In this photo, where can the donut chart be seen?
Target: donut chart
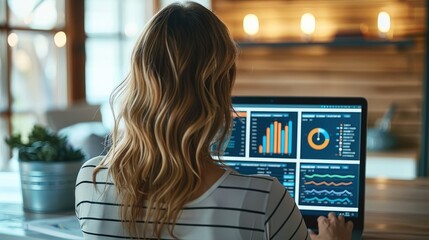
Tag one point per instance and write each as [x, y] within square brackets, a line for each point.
[318, 143]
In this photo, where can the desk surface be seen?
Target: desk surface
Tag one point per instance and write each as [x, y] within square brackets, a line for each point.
[395, 209]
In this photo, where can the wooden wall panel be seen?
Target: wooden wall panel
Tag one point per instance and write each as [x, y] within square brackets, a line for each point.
[384, 75]
[281, 18]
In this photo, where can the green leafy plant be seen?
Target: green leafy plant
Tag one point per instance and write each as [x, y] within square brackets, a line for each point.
[44, 145]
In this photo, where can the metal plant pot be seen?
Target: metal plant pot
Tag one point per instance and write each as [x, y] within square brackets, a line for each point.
[48, 186]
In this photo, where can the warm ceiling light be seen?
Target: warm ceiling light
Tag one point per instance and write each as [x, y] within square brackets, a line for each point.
[308, 23]
[383, 22]
[60, 39]
[12, 39]
[251, 24]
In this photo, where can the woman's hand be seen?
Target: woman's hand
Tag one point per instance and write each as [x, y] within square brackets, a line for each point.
[333, 228]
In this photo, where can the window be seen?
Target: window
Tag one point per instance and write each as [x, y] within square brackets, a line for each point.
[33, 56]
[33, 75]
[111, 29]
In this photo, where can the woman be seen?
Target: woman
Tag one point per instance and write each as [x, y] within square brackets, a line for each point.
[159, 180]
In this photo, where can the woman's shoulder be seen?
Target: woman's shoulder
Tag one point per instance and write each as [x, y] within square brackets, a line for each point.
[245, 183]
[253, 178]
[93, 162]
[87, 169]
[254, 183]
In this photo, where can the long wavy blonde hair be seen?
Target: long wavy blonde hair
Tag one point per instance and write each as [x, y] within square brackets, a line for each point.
[175, 106]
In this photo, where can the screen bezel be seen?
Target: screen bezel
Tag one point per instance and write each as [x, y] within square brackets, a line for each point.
[311, 220]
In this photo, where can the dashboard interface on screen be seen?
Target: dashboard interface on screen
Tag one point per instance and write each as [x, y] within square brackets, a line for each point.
[313, 150]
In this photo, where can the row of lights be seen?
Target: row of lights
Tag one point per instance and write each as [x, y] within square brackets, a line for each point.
[308, 24]
[250, 26]
[60, 39]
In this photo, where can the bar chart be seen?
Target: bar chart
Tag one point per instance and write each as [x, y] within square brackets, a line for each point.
[273, 134]
[276, 139]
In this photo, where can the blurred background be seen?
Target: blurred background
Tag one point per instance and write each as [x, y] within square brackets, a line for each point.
[57, 54]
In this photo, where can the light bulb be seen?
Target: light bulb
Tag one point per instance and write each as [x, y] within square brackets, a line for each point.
[308, 23]
[60, 39]
[251, 24]
[383, 22]
[12, 39]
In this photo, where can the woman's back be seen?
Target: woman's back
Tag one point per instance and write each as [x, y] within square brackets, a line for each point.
[161, 177]
[234, 207]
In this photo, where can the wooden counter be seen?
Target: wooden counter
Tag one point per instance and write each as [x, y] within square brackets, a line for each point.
[397, 209]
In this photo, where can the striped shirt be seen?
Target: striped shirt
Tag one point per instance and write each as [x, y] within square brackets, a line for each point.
[235, 207]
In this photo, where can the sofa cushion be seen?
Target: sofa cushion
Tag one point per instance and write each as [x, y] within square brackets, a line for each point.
[90, 137]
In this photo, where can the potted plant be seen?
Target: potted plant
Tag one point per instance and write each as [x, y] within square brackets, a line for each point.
[48, 168]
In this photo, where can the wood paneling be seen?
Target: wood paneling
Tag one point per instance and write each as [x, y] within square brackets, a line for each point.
[384, 75]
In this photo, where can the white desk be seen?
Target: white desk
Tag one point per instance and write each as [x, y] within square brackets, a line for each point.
[12, 216]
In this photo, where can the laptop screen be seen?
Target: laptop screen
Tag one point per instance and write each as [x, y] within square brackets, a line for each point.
[315, 147]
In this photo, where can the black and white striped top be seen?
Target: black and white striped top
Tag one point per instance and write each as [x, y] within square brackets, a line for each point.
[235, 207]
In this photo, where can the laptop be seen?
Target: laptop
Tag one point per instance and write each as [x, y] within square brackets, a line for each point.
[315, 146]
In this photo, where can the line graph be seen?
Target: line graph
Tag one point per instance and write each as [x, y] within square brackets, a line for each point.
[325, 184]
[330, 192]
[341, 200]
[329, 183]
[329, 176]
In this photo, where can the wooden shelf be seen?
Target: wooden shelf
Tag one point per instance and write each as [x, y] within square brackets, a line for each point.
[346, 42]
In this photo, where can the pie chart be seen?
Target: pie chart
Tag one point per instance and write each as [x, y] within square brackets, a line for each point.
[318, 138]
